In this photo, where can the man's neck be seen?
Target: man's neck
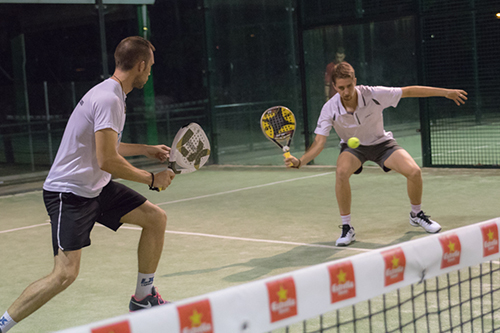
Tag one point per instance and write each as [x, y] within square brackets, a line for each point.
[124, 80]
[350, 106]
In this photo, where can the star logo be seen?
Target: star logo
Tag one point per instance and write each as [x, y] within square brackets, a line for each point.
[195, 318]
[450, 244]
[341, 276]
[395, 263]
[282, 298]
[490, 239]
[282, 294]
[342, 282]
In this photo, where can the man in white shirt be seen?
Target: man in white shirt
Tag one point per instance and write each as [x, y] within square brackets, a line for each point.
[356, 111]
[79, 191]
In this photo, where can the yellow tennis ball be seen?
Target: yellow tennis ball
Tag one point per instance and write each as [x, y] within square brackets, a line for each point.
[353, 142]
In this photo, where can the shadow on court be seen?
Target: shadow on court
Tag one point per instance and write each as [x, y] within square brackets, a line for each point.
[297, 257]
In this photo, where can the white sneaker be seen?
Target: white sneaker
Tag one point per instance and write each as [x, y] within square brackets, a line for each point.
[422, 220]
[347, 235]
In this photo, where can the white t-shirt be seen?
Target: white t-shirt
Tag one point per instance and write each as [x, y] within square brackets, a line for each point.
[366, 122]
[75, 168]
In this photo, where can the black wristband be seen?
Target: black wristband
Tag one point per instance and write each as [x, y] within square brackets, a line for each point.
[151, 187]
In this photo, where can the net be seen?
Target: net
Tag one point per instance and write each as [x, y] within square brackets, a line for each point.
[448, 282]
[466, 300]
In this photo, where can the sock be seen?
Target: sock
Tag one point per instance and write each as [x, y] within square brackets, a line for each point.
[144, 285]
[6, 322]
[346, 219]
[415, 209]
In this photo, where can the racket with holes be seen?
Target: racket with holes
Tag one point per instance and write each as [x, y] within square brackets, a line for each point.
[278, 125]
[190, 150]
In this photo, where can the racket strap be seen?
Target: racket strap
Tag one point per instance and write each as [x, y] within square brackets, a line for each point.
[151, 187]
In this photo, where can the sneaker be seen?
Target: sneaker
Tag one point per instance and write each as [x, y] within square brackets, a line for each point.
[422, 220]
[147, 302]
[347, 236]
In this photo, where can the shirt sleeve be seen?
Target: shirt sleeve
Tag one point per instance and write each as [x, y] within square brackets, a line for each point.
[106, 114]
[387, 96]
[325, 121]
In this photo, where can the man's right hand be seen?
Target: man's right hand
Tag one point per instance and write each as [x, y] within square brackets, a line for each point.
[163, 179]
[292, 162]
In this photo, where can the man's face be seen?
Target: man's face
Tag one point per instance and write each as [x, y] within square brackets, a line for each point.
[345, 87]
[143, 76]
[339, 57]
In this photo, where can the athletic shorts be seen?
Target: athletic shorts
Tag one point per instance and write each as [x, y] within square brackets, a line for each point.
[378, 153]
[72, 217]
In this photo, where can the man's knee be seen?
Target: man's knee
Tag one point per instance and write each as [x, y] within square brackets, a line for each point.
[415, 173]
[157, 217]
[343, 173]
[65, 276]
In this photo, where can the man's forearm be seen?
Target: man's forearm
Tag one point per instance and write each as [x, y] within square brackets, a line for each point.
[423, 91]
[119, 167]
[311, 153]
[131, 149]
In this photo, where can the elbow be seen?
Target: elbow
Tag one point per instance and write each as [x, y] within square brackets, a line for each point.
[104, 164]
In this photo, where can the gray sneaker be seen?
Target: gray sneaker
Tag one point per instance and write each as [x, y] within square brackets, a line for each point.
[422, 220]
[147, 302]
[347, 235]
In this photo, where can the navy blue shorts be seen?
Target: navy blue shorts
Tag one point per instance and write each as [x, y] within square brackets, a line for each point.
[72, 217]
[376, 153]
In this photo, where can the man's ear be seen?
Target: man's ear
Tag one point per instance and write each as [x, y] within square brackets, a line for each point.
[141, 66]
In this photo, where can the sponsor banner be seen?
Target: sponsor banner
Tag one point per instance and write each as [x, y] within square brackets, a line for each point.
[282, 299]
[451, 250]
[120, 327]
[342, 282]
[490, 239]
[196, 317]
[395, 263]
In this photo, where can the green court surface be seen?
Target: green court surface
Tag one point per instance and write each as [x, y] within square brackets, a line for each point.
[228, 226]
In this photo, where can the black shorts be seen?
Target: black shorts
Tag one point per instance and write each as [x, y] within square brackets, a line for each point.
[72, 217]
[378, 153]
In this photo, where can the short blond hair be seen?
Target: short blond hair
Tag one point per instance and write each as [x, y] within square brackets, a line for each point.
[343, 70]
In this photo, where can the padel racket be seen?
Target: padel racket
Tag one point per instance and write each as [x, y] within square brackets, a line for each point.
[278, 125]
[190, 150]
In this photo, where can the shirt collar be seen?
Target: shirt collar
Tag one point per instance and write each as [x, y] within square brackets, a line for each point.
[341, 109]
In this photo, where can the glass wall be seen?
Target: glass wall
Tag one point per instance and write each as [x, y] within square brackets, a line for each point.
[53, 54]
[253, 65]
[382, 53]
[221, 63]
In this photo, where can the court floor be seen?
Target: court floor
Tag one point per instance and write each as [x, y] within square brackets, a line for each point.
[228, 226]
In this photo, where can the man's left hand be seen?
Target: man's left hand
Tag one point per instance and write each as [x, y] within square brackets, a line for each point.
[159, 152]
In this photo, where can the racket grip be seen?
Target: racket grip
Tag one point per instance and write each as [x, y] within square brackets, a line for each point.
[287, 154]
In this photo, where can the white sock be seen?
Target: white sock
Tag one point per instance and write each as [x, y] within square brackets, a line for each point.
[415, 209]
[346, 219]
[144, 285]
[6, 322]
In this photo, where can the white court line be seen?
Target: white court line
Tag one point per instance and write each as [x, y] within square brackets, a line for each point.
[23, 228]
[242, 189]
[257, 240]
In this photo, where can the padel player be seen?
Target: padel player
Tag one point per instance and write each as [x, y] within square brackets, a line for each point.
[79, 191]
[356, 111]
